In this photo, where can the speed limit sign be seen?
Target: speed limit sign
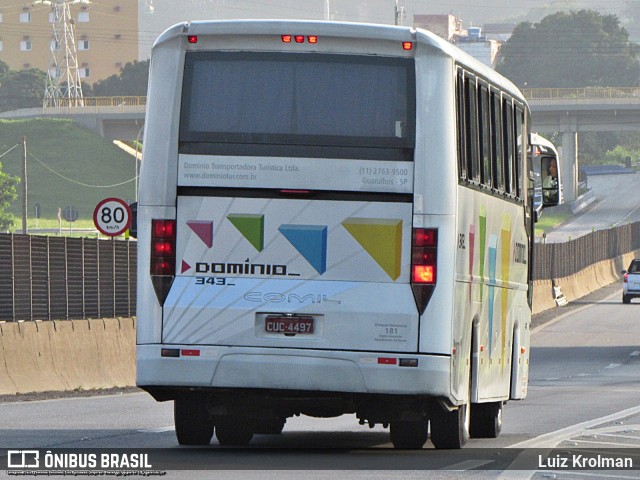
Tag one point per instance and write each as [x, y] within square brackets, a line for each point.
[112, 216]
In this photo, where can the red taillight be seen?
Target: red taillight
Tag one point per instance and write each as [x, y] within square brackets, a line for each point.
[425, 237]
[192, 39]
[424, 255]
[424, 274]
[163, 266]
[163, 247]
[626, 278]
[163, 229]
[424, 265]
[407, 45]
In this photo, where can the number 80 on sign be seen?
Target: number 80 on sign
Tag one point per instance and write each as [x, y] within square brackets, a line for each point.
[112, 217]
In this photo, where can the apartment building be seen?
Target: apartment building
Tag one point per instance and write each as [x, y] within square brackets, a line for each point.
[106, 35]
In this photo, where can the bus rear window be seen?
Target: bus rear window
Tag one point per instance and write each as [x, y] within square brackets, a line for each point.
[299, 99]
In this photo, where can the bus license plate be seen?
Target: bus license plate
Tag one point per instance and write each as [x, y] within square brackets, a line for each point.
[289, 325]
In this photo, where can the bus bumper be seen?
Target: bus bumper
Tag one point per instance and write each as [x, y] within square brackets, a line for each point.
[291, 369]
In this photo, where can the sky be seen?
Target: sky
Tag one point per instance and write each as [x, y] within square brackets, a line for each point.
[157, 15]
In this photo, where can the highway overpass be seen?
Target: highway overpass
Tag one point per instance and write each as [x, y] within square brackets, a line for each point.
[569, 111]
[114, 118]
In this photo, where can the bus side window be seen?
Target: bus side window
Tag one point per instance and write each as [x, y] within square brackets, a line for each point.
[485, 136]
[471, 124]
[496, 142]
[507, 118]
[461, 130]
[519, 155]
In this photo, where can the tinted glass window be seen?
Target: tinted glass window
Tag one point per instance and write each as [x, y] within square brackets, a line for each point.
[298, 98]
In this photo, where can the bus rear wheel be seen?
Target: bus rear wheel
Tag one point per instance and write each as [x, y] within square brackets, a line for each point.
[450, 429]
[232, 430]
[409, 434]
[194, 425]
[269, 425]
[486, 420]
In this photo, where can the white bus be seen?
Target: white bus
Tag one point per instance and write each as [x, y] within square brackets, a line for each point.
[333, 218]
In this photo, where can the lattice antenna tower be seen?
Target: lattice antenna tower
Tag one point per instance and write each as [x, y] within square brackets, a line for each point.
[64, 87]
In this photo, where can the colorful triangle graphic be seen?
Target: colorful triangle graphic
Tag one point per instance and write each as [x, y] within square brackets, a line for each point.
[185, 267]
[310, 241]
[250, 226]
[381, 238]
[203, 229]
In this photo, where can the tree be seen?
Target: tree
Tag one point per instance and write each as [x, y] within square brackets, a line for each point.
[132, 80]
[8, 194]
[4, 69]
[21, 89]
[576, 49]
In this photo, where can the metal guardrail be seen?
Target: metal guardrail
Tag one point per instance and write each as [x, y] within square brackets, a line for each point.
[93, 105]
[122, 101]
[529, 93]
[587, 93]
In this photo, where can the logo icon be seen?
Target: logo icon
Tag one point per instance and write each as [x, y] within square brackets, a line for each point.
[23, 459]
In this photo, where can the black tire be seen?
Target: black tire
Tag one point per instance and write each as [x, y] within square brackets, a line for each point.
[626, 299]
[409, 435]
[194, 424]
[269, 426]
[486, 420]
[450, 429]
[233, 431]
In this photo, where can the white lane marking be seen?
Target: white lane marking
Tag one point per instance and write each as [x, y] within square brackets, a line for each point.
[551, 439]
[616, 435]
[613, 365]
[469, 465]
[604, 444]
[583, 474]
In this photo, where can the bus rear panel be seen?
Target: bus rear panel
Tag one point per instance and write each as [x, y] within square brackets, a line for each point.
[290, 242]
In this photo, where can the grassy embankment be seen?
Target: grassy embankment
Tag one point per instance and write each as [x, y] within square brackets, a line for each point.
[551, 218]
[70, 165]
[66, 165]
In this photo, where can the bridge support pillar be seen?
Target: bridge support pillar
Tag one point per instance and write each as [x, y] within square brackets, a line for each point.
[569, 164]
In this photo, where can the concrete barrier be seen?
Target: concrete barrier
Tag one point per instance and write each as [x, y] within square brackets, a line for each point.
[67, 355]
[100, 353]
[582, 283]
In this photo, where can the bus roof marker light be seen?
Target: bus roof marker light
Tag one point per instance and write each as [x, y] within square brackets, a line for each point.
[192, 38]
[407, 46]
[312, 38]
[286, 38]
[299, 38]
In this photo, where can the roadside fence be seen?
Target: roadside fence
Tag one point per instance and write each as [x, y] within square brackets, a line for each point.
[558, 260]
[57, 278]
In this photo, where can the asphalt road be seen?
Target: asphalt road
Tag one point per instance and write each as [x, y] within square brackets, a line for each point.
[617, 203]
